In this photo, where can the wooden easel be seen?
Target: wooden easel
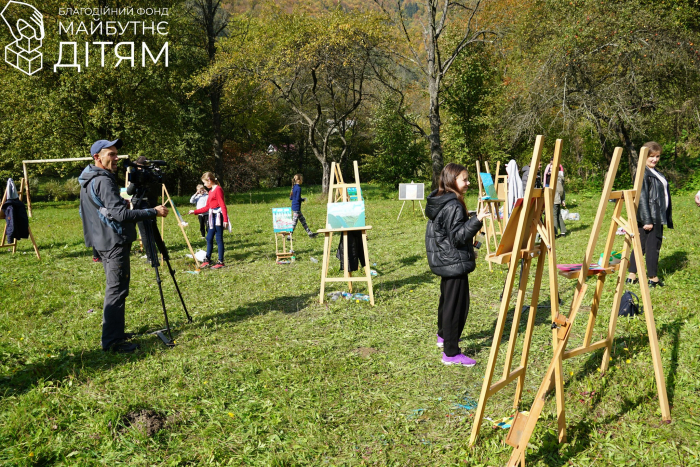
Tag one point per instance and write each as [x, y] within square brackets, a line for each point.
[493, 227]
[518, 242]
[284, 254]
[166, 198]
[337, 192]
[23, 187]
[522, 429]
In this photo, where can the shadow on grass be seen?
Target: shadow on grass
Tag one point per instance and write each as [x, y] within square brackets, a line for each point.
[677, 261]
[286, 305]
[570, 228]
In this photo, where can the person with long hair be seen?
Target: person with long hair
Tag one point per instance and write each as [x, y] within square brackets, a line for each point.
[653, 213]
[218, 219]
[295, 196]
[449, 243]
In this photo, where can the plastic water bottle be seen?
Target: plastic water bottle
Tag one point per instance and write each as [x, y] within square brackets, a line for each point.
[313, 260]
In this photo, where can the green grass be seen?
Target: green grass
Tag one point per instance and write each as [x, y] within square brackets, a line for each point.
[267, 376]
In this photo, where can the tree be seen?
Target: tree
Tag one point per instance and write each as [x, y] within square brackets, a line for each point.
[615, 65]
[398, 156]
[319, 66]
[447, 28]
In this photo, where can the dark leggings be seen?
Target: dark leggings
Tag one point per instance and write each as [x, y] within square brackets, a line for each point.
[651, 245]
[297, 216]
[217, 230]
[452, 311]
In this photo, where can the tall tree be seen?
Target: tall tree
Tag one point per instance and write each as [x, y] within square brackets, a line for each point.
[447, 27]
[213, 20]
[319, 66]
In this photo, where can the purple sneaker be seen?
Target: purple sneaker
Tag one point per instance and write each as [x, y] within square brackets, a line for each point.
[459, 359]
[440, 341]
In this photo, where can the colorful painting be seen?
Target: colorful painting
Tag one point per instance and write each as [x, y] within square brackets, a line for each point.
[345, 215]
[282, 219]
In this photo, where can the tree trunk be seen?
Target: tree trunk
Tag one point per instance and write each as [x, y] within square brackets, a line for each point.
[217, 142]
[325, 184]
[434, 137]
[632, 155]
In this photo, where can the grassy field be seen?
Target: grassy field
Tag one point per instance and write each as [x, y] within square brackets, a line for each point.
[267, 376]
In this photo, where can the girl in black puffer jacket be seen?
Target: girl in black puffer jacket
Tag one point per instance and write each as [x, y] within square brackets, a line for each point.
[449, 243]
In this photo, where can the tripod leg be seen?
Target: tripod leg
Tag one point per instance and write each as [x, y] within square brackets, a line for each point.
[182, 300]
[165, 313]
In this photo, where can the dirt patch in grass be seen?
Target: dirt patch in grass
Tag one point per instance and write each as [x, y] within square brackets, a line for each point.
[365, 352]
[147, 421]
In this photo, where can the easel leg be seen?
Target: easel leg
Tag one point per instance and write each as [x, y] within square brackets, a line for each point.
[619, 290]
[648, 310]
[36, 248]
[421, 209]
[522, 289]
[367, 268]
[404, 204]
[324, 265]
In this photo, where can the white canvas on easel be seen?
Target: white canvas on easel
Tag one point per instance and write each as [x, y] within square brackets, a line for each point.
[411, 192]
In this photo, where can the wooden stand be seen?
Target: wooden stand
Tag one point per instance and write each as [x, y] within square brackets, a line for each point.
[493, 225]
[518, 243]
[284, 254]
[630, 200]
[414, 208]
[337, 192]
[23, 187]
[166, 199]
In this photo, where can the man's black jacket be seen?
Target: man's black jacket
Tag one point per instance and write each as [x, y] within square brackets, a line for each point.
[652, 208]
[449, 236]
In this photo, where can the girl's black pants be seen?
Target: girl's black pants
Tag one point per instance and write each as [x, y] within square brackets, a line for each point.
[452, 311]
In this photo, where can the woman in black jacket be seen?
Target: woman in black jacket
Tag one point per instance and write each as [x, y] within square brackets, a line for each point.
[653, 213]
[449, 243]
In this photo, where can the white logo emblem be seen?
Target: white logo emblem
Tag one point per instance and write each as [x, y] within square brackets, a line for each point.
[26, 24]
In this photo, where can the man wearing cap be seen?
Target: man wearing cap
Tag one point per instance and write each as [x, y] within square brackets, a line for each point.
[110, 227]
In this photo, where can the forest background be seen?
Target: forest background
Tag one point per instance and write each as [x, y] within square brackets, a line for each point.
[259, 91]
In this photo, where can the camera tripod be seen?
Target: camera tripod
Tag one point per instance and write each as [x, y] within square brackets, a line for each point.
[152, 243]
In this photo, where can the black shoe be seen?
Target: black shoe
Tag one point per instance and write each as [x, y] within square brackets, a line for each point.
[656, 284]
[123, 347]
[632, 281]
[313, 235]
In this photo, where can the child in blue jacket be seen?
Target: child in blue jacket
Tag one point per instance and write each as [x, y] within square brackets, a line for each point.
[295, 196]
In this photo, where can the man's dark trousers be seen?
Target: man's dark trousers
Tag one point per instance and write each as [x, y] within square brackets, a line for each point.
[117, 267]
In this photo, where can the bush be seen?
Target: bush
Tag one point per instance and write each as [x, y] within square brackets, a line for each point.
[62, 191]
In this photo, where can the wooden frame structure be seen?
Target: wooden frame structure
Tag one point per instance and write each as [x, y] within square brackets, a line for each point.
[518, 243]
[494, 226]
[524, 425]
[47, 161]
[284, 254]
[23, 187]
[166, 198]
[337, 192]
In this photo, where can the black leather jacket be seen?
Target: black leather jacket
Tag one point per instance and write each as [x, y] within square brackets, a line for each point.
[652, 203]
[449, 236]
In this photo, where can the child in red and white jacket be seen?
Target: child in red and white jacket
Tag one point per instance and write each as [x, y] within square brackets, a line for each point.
[218, 219]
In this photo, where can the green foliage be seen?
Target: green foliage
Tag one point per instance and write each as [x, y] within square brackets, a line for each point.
[62, 190]
[399, 156]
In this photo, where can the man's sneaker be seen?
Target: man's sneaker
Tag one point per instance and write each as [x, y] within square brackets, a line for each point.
[218, 265]
[313, 235]
[205, 264]
[459, 359]
[123, 347]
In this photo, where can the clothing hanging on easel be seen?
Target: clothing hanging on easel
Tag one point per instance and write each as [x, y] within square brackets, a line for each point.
[15, 214]
[356, 251]
[515, 185]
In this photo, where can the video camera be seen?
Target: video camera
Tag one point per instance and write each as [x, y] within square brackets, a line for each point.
[144, 173]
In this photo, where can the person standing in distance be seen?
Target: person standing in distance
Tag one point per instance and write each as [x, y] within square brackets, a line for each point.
[110, 227]
[654, 212]
[449, 244]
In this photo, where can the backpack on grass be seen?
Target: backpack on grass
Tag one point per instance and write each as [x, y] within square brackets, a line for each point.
[628, 306]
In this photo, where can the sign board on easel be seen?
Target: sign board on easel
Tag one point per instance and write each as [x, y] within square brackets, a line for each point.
[411, 192]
